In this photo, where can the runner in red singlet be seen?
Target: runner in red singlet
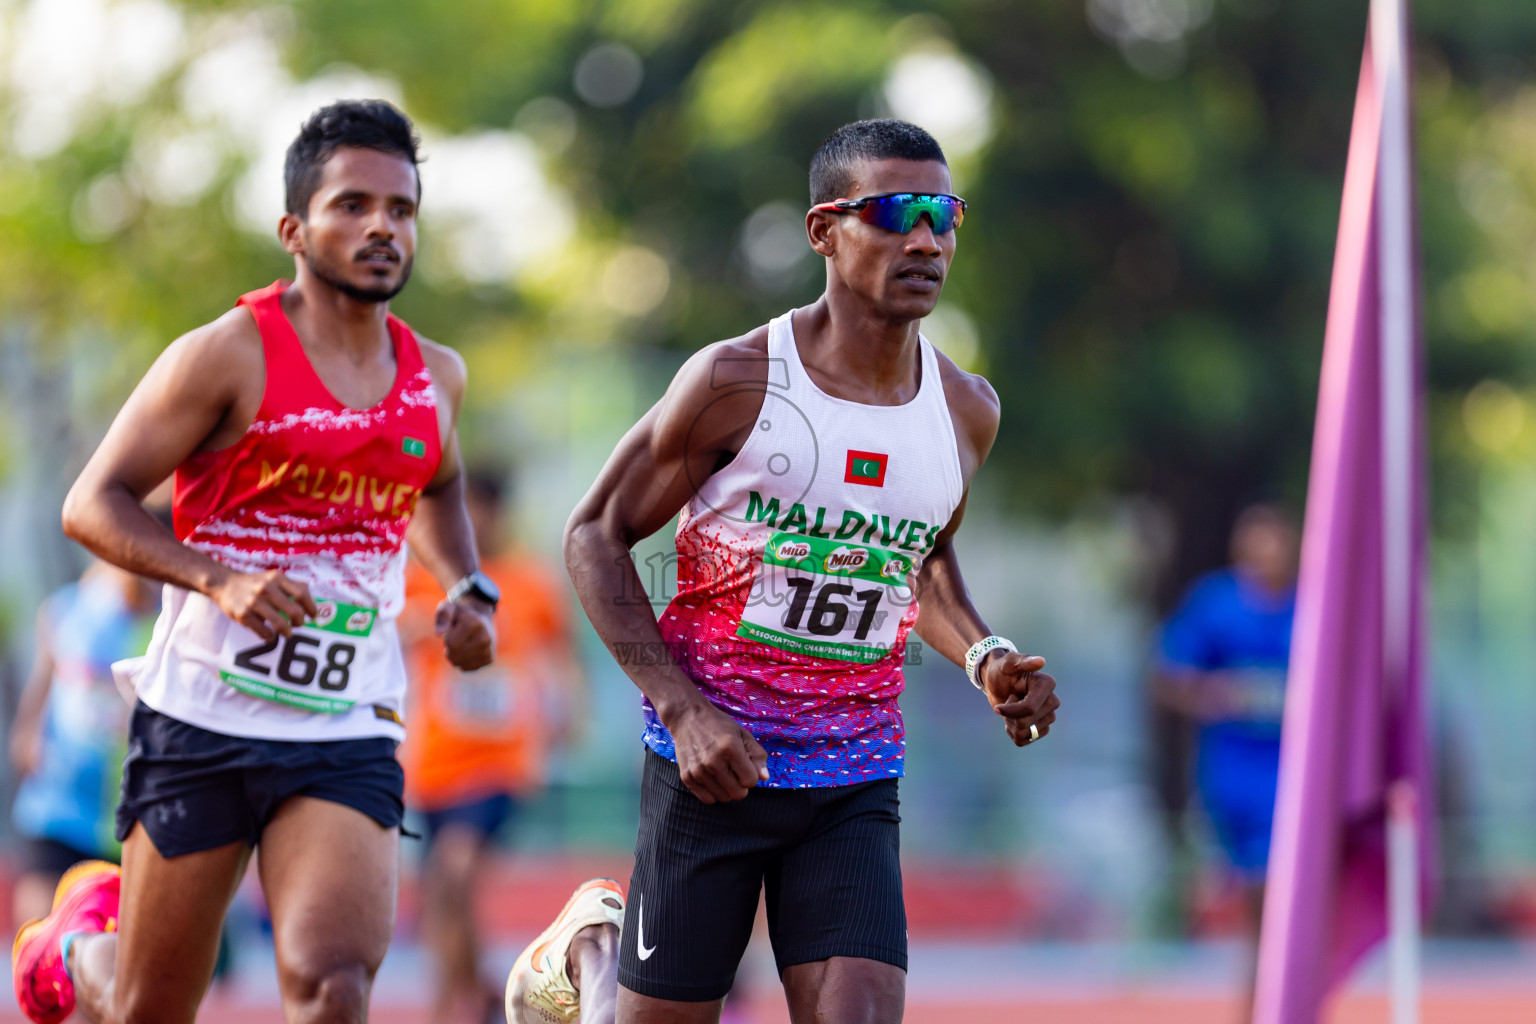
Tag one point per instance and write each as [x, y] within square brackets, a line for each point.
[308, 431]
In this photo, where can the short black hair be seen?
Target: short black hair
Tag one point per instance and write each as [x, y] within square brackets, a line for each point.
[365, 124]
[881, 139]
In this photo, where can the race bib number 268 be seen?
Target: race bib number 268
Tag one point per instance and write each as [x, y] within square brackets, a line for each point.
[311, 669]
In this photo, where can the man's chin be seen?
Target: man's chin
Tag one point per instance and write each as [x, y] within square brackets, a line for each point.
[372, 292]
[369, 289]
[910, 307]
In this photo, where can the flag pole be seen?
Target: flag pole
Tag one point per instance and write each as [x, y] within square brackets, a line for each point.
[1394, 219]
[1403, 901]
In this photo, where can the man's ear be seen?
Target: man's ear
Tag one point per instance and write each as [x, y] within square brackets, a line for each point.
[289, 232]
[819, 227]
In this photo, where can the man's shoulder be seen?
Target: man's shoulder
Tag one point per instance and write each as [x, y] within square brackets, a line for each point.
[973, 403]
[446, 366]
[721, 383]
[741, 361]
[216, 363]
[713, 399]
[966, 390]
[231, 342]
[440, 358]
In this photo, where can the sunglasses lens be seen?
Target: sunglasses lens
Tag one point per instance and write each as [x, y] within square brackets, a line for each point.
[890, 213]
[900, 213]
[945, 214]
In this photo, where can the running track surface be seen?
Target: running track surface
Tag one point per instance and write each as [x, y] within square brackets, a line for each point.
[1465, 983]
[968, 966]
[1131, 1009]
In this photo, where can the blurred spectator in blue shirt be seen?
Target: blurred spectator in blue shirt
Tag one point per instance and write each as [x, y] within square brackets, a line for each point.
[71, 728]
[1223, 663]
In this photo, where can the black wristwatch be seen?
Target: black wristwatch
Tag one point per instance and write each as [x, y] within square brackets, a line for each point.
[477, 585]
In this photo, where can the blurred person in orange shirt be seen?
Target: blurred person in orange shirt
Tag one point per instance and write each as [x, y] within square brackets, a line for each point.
[477, 742]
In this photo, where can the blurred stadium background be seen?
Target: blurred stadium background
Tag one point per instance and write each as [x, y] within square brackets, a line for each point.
[609, 184]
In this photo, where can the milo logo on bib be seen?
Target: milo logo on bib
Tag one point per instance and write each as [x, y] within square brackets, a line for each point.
[335, 617]
[846, 560]
[827, 599]
[792, 550]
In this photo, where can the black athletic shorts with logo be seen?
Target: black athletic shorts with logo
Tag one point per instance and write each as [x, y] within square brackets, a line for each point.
[827, 857]
[194, 790]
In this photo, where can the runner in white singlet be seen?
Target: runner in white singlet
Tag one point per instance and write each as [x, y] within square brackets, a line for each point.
[819, 467]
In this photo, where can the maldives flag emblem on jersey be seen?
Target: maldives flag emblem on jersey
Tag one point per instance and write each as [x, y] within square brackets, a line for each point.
[414, 446]
[866, 468]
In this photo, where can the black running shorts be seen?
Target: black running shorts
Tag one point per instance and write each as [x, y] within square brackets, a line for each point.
[827, 857]
[195, 790]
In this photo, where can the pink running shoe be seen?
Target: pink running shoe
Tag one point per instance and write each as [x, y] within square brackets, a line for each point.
[85, 901]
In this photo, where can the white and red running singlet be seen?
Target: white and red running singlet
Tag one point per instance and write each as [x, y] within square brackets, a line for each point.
[323, 493]
[795, 567]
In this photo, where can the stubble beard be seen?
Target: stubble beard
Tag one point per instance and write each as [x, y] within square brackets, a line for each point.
[332, 276]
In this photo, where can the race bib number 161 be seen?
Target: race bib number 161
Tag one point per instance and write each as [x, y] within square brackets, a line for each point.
[827, 599]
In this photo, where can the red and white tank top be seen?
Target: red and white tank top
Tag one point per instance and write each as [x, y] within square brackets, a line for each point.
[323, 493]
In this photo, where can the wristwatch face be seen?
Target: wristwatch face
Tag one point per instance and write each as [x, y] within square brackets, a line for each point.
[485, 588]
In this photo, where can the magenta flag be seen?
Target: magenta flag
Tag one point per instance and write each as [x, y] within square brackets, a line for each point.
[1354, 724]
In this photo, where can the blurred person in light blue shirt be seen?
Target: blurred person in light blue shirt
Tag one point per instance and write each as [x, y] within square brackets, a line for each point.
[70, 733]
[1224, 653]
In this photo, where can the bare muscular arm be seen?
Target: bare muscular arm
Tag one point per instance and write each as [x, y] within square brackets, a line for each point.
[656, 467]
[440, 533]
[948, 621]
[200, 394]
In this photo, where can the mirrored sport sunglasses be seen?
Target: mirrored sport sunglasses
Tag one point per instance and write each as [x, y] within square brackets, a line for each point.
[899, 211]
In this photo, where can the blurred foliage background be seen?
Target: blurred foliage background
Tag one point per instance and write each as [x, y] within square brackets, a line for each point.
[610, 184]
[1154, 188]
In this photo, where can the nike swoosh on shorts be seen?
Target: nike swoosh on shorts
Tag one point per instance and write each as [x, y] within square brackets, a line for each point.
[640, 948]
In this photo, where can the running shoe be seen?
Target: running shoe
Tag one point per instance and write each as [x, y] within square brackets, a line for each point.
[539, 989]
[85, 901]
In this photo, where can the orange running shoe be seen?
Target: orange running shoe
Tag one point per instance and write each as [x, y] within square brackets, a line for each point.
[85, 901]
[539, 989]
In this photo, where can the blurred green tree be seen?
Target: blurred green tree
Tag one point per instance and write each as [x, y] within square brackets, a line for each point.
[1154, 189]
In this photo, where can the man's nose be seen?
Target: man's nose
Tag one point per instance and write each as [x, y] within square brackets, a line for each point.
[379, 225]
[921, 239]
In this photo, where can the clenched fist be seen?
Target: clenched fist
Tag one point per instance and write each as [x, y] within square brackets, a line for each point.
[469, 636]
[267, 603]
[1019, 692]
